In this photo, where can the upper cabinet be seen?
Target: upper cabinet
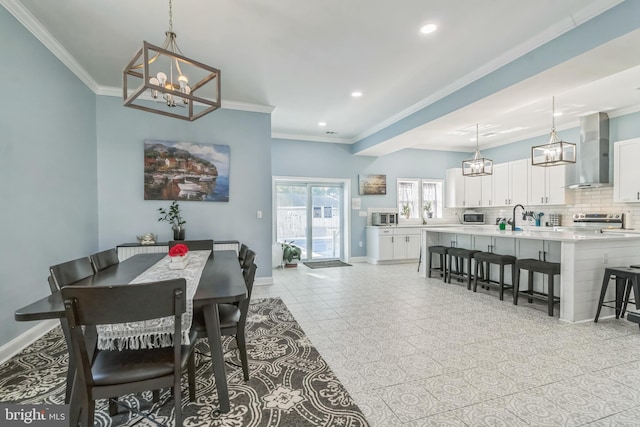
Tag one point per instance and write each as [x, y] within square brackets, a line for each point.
[626, 173]
[486, 182]
[472, 191]
[510, 183]
[454, 188]
[547, 185]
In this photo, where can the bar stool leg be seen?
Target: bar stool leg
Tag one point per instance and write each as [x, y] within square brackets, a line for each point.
[530, 286]
[449, 267]
[429, 268]
[469, 261]
[475, 281]
[443, 267]
[623, 289]
[516, 284]
[603, 291]
[550, 298]
[501, 282]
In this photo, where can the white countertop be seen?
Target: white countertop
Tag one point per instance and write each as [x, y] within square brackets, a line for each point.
[536, 233]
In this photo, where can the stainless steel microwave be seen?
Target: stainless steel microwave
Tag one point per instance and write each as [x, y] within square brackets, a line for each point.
[383, 218]
[471, 217]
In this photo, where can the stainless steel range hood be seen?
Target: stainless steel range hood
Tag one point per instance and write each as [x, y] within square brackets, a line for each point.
[591, 169]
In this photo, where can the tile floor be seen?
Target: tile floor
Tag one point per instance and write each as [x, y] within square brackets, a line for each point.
[417, 352]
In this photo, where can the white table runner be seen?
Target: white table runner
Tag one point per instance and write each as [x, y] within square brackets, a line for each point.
[157, 332]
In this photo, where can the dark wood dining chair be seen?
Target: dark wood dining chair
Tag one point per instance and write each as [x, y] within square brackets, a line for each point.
[70, 272]
[106, 373]
[233, 319]
[194, 245]
[242, 253]
[104, 259]
[249, 258]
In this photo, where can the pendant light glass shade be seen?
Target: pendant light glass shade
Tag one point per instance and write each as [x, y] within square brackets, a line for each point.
[478, 165]
[556, 152]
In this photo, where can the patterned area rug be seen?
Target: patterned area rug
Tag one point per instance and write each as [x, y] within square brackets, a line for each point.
[291, 385]
[326, 264]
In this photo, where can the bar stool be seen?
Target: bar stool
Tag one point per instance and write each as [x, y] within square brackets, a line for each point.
[442, 269]
[484, 261]
[537, 266]
[460, 256]
[626, 279]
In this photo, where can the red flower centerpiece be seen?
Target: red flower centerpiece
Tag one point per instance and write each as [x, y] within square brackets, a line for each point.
[178, 256]
[178, 250]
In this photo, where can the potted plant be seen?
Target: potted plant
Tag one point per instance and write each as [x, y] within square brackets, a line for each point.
[406, 210]
[428, 206]
[173, 217]
[290, 252]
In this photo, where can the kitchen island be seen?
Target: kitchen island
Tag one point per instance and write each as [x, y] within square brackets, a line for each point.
[583, 254]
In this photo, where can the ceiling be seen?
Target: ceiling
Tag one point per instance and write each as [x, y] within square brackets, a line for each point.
[304, 59]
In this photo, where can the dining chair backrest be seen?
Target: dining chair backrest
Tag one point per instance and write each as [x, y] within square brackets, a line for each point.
[70, 272]
[249, 277]
[104, 259]
[194, 245]
[242, 253]
[248, 260]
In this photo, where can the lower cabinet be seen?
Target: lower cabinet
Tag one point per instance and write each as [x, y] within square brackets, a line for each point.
[392, 244]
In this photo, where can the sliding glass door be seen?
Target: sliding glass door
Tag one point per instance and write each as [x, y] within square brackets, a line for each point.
[310, 215]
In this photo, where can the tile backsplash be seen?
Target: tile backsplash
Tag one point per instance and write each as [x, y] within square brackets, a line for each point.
[587, 200]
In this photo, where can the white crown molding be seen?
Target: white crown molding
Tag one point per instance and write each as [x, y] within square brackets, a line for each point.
[37, 29]
[227, 105]
[280, 135]
[509, 56]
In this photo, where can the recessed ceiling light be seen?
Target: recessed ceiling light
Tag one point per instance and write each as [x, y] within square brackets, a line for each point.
[428, 29]
[356, 94]
[322, 123]
[557, 113]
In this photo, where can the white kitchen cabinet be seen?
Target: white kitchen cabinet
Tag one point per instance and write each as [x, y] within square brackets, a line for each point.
[547, 185]
[454, 188]
[387, 244]
[626, 173]
[486, 184]
[510, 183]
[472, 191]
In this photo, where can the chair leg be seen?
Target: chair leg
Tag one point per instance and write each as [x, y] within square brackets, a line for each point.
[113, 406]
[516, 284]
[501, 282]
[475, 280]
[156, 396]
[603, 291]
[177, 401]
[550, 299]
[242, 348]
[191, 373]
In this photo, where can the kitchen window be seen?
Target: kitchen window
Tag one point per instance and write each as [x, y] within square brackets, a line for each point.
[419, 199]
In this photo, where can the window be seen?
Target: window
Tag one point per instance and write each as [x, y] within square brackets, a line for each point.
[419, 199]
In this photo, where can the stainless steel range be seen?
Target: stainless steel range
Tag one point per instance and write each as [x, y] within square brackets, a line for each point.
[599, 220]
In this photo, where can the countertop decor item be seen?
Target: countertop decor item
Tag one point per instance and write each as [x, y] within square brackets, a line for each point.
[147, 239]
[178, 256]
[173, 217]
[163, 73]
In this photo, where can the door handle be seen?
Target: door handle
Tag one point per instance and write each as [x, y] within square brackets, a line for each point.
[541, 199]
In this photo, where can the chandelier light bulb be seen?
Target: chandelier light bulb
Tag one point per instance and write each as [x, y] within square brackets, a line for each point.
[162, 78]
[183, 80]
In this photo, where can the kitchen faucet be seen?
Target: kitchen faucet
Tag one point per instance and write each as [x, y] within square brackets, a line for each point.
[513, 220]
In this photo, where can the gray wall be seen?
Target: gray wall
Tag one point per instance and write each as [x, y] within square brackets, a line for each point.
[48, 184]
[124, 213]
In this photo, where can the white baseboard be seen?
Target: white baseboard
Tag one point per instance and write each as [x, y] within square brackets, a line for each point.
[22, 341]
[358, 259]
[261, 281]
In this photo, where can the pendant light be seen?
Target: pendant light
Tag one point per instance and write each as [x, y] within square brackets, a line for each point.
[176, 83]
[478, 165]
[556, 152]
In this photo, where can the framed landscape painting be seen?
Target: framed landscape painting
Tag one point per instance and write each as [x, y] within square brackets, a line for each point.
[179, 170]
[372, 184]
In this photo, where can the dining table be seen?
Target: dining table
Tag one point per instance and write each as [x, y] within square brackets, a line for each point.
[221, 282]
